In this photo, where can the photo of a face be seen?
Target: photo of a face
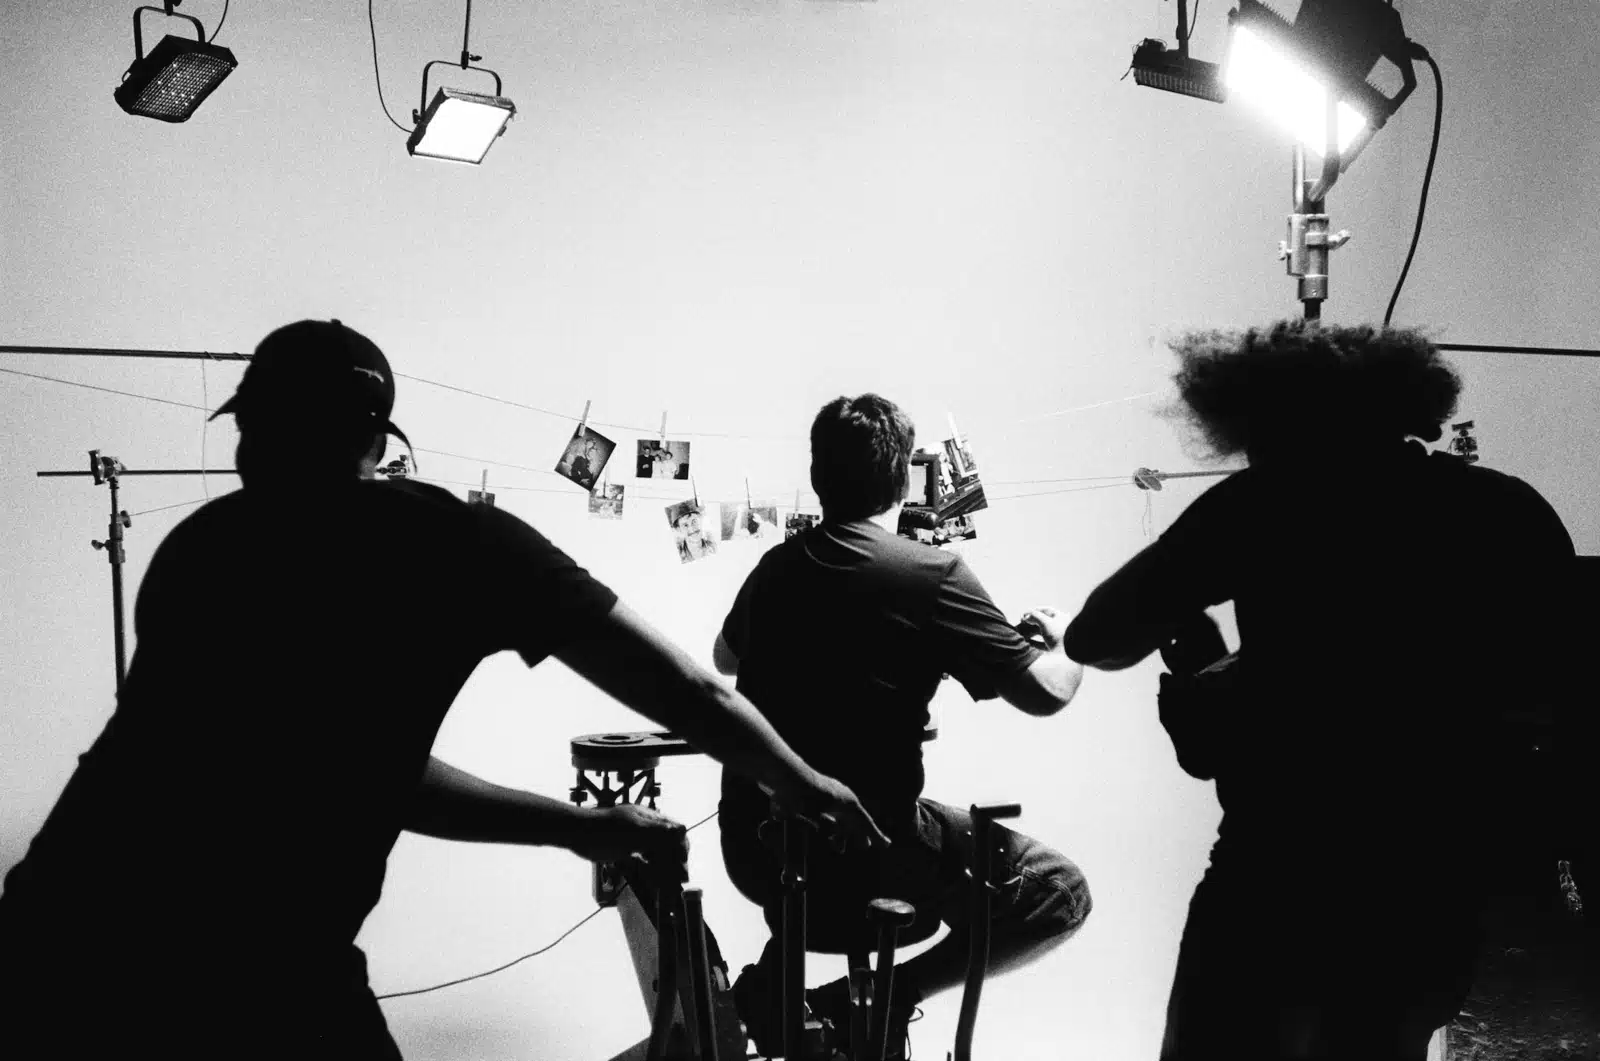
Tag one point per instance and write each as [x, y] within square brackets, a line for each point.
[585, 457]
[799, 523]
[662, 460]
[741, 520]
[605, 502]
[693, 542]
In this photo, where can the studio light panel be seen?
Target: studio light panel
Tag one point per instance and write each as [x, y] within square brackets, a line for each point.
[174, 79]
[1264, 77]
[460, 126]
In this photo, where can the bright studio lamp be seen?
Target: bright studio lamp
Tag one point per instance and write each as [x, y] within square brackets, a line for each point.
[459, 126]
[1320, 74]
[1291, 71]
[171, 82]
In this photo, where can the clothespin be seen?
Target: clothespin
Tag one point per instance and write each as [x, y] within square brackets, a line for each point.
[583, 421]
[955, 433]
[663, 429]
[797, 502]
[481, 496]
[1147, 479]
[694, 490]
[747, 502]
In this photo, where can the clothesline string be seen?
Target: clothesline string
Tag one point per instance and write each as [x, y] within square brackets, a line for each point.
[482, 460]
[203, 356]
[653, 497]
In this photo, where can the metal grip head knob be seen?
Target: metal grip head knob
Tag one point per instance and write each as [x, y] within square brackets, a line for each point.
[891, 912]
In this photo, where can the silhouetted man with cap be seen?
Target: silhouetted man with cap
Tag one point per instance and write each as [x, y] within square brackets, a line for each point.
[197, 888]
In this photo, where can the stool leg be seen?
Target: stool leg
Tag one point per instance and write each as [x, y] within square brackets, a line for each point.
[860, 1003]
[794, 939]
[882, 992]
[983, 852]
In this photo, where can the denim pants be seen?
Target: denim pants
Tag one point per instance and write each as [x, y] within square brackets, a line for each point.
[1039, 893]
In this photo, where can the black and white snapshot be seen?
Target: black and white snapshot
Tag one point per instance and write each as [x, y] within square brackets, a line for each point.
[949, 530]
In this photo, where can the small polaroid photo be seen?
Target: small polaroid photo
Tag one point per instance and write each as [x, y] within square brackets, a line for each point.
[799, 523]
[959, 487]
[662, 460]
[585, 457]
[605, 501]
[741, 520]
[480, 497]
[685, 519]
[958, 451]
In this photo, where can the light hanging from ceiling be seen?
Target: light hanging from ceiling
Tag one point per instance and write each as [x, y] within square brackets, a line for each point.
[177, 75]
[459, 126]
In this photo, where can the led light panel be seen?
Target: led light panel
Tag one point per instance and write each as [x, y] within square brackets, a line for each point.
[173, 80]
[1281, 87]
[460, 126]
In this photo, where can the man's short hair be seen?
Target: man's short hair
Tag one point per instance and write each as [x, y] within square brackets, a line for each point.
[860, 455]
[1270, 390]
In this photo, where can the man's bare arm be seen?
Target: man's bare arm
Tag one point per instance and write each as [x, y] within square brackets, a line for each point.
[1051, 681]
[451, 804]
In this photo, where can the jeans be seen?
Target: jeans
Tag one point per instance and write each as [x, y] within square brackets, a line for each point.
[1040, 898]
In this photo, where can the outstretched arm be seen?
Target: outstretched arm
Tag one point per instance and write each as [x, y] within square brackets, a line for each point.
[1051, 681]
[451, 804]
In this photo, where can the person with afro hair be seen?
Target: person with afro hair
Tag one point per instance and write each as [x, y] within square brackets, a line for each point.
[1356, 759]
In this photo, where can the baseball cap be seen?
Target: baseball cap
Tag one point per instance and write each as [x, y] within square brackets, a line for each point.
[317, 370]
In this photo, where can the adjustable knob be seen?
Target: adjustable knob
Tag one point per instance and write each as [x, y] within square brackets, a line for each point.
[891, 912]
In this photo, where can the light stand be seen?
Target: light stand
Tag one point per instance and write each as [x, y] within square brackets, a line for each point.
[109, 471]
[1309, 245]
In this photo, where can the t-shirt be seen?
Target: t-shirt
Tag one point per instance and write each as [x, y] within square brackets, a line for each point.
[295, 659]
[1390, 604]
[843, 634]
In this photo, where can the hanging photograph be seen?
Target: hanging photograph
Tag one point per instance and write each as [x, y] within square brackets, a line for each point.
[960, 491]
[662, 460]
[605, 502]
[685, 519]
[585, 457]
[799, 523]
[741, 520]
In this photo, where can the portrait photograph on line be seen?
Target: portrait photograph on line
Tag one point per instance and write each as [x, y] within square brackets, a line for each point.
[685, 518]
[662, 460]
[585, 457]
[605, 501]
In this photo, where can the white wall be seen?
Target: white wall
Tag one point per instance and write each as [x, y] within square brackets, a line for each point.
[735, 210]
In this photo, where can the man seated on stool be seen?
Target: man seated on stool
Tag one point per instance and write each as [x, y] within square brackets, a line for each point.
[840, 637]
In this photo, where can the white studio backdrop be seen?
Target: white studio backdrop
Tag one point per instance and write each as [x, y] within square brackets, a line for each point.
[733, 211]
